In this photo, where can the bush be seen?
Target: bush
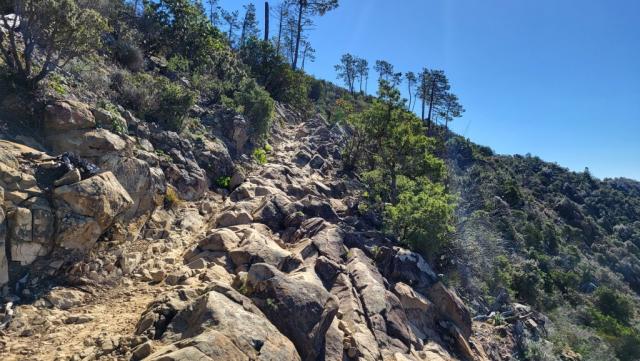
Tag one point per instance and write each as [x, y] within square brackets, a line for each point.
[614, 304]
[154, 98]
[260, 156]
[423, 215]
[527, 282]
[223, 182]
[272, 71]
[171, 198]
[174, 103]
[257, 106]
[129, 56]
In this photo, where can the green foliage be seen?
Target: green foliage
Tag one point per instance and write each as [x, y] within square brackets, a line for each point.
[527, 282]
[614, 304]
[257, 106]
[154, 98]
[260, 156]
[58, 30]
[56, 84]
[422, 216]
[223, 182]
[272, 72]
[118, 125]
[180, 27]
[178, 64]
[174, 102]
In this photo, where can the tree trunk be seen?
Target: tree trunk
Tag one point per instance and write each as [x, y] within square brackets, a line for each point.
[282, 9]
[431, 99]
[301, 6]
[266, 21]
[304, 56]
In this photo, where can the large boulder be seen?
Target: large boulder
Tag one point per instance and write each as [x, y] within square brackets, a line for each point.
[144, 184]
[65, 115]
[388, 321]
[84, 210]
[221, 324]
[301, 308]
[214, 158]
[450, 307]
[93, 143]
[256, 247]
[358, 339]
[188, 178]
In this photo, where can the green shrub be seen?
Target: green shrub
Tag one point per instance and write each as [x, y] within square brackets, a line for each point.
[260, 156]
[223, 182]
[614, 304]
[272, 71]
[257, 106]
[423, 215]
[178, 64]
[527, 282]
[174, 103]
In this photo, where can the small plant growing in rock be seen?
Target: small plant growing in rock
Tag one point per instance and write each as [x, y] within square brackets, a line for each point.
[260, 156]
[223, 182]
[375, 250]
[268, 148]
[498, 320]
[271, 303]
[171, 198]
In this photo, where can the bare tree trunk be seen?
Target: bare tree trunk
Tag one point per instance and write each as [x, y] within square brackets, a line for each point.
[282, 11]
[266, 21]
[431, 99]
[304, 56]
[301, 6]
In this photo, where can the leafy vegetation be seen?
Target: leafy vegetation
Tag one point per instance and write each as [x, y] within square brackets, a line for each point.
[561, 241]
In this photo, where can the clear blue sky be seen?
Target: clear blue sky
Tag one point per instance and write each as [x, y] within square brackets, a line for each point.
[557, 79]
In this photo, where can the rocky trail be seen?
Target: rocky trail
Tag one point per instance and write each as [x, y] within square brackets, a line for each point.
[281, 268]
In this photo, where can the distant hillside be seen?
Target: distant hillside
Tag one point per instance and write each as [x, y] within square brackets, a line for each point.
[564, 242]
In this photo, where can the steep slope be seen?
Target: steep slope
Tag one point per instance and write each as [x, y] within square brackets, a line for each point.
[565, 243]
[282, 268]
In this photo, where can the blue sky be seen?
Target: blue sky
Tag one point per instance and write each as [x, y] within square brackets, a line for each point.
[557, 79]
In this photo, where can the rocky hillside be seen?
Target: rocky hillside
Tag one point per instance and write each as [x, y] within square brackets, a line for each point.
[103, 265]
[563, 242]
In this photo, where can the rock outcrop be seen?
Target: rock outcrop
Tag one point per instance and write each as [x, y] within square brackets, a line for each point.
[281, 268]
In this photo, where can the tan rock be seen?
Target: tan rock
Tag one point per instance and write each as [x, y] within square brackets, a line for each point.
[221, 240]
[87, 143]
[67, 115]
[84, 210]
[64, 298]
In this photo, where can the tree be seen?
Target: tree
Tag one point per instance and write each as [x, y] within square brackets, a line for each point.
[450, 109]
[387, 73]
[231, 18]
[181, 28]
[283, 15]
[308, 52]
[424, 80]
[411, 80]
[56, 31]
[347, 71]
[250, 24]
[304, 10]
[267, 14]
[214, 15]
[362, 69]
